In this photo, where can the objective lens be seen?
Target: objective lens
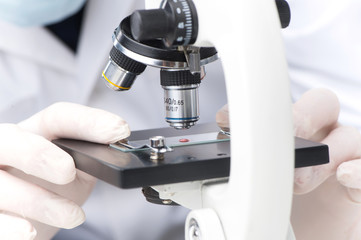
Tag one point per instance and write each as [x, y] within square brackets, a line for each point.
[181, 105]
[116, 78]
[121, 71]
[180, 98]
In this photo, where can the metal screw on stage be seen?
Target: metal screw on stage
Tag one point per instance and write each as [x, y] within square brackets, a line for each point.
[157, 144]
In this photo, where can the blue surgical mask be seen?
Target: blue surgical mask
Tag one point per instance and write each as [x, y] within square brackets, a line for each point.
[28, 13]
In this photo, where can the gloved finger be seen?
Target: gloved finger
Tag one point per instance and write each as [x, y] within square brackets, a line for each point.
[315, 114]
[77, 191]
[222, 118]
[349, 175]
[32, 201]
[69, 120]
[35, 155]
[344, 145]
[354, 194]
[15, 228]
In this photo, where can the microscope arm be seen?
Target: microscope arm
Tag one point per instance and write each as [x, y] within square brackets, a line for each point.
[256, 203]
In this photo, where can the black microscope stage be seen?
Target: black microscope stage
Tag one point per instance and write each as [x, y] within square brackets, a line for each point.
[185, 163]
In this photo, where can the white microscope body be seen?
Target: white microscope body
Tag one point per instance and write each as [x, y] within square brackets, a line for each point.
[255, 203]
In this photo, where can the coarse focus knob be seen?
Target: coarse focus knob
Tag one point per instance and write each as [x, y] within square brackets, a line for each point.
[176, 23]
[150, 24]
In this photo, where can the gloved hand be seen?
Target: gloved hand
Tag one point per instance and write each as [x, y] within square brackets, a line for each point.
[39, 183]
[327, 197]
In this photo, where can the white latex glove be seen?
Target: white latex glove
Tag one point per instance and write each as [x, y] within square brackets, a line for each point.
[329, 207]
[327, 197]
[39, 185]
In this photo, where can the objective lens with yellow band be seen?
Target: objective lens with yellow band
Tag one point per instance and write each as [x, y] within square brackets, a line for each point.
[121, 71]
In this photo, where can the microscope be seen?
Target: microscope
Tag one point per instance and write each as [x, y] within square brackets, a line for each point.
[238, 181]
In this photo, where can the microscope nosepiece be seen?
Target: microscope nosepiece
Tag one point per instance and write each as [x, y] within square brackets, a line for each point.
[180, 97]
[121, 71]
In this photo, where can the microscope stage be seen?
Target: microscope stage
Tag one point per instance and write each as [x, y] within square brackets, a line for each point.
[185, 163]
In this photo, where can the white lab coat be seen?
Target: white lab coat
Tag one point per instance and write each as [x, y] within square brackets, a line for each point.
[323, 47]
[36, 70]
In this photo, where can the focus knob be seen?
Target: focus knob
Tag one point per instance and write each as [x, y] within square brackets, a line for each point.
[150, 24]
[176, 23]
